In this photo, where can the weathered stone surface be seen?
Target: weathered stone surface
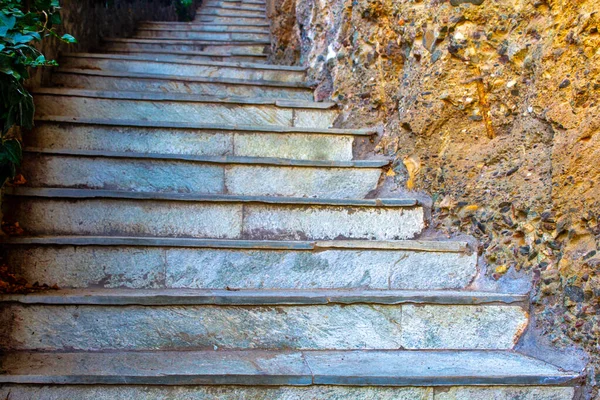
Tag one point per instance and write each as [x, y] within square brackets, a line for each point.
[213, 392]
[300, 147]
[141, 45]
[172, 65]
[146, 267]
[202, 27]
[282, 393]
[158, 83]
[344, 222]
[156, 368]
[110, 267]
[181, 107]
[324, 147]
[163, 111]
[222, 20]
[156, 175]
[124, 174]
[256, 297]
[307, 327]
[465, 107]
[326, 269]
[300, 182]
[466, 327]
[360, 368]
[505, 393]
[431, 368]
[201, 327]
[200, 35]
[207, 11]
[47, 216]
[148, 218]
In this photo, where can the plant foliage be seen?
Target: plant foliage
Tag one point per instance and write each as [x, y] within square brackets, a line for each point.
[22, 24]
[183, 8]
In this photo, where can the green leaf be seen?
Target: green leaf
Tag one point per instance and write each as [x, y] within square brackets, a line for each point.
[55, 19]
[7, 22]
[18, 38]
[12, 149]
[68, 38]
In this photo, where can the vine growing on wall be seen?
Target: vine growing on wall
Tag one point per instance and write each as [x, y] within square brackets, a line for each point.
[23, 23]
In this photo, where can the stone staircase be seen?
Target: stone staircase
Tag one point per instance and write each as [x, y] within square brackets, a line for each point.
[214, 238]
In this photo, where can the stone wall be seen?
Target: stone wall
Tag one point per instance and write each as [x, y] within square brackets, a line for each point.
[493, 107]
[91, 20]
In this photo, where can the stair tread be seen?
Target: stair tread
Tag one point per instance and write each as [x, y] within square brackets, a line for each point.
[167, 297]
[196, 23]
[211, 42]
[187, 125]
[206, 79]
[283, 162]
[194, 126]
[184, 97]
[187, 53]
[239, 8]
[216, 198]
[125, 57]
[396, 245]
[176, 29]
[295, 368]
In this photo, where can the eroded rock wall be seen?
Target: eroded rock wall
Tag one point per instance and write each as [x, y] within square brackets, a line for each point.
[494, 107]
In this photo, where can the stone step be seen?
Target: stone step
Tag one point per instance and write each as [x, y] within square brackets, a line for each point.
[177, 319]
[132, 81]
[236, 6]
[229, 19]
[283, 374]
[56, 133]
[174, 66]
[201, 56]
[191, 26]
[229, 11]
[188, 34]
[176, 173]
[235, 3]
[212, 46]
[328, 392]
[102, 212]
[152, 106]
[152, 263]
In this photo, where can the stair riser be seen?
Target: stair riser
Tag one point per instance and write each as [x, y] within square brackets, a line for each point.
[230, 20]
[194, 177]
[210, 12]
[205, 27]
[255, 4]
[40, 216]
[183, 69]
[233, 5]
[191, 35]
[192, 142]
[211, 48]
[165, 85]
[191, 268]
[181, 111]
[211, 6]
[283, 393]
[316, 327]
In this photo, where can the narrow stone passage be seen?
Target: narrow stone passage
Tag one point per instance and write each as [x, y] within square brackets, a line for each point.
[213, 238]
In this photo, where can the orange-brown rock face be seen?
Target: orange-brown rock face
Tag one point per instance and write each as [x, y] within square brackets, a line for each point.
[500, 102]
